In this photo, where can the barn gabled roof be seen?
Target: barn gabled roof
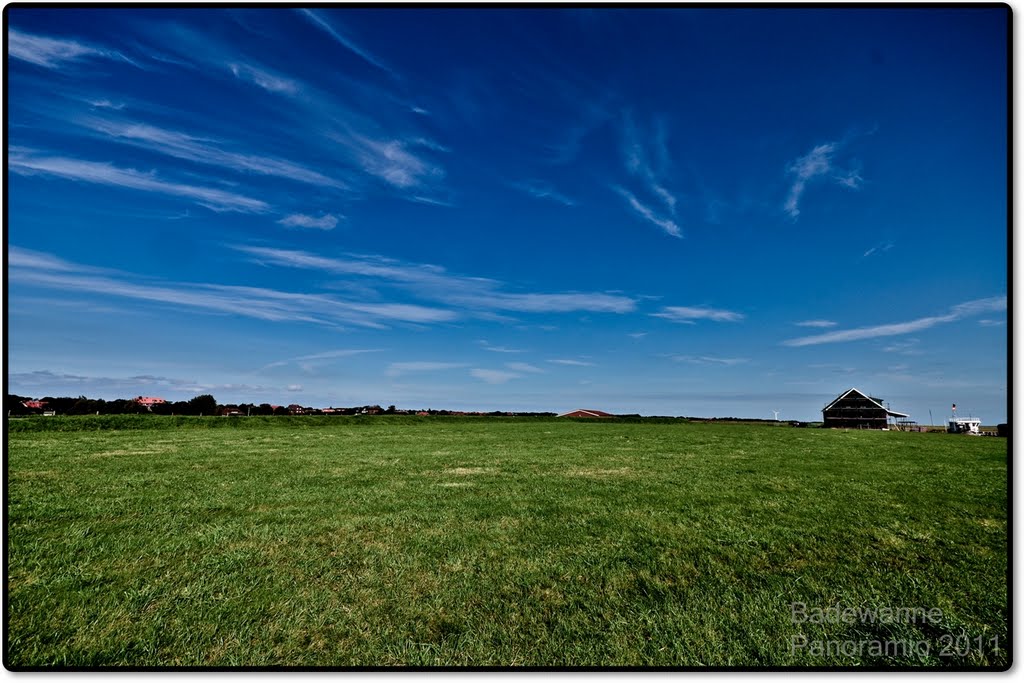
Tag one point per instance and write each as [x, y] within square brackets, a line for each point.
[860, 393]
[592, 413]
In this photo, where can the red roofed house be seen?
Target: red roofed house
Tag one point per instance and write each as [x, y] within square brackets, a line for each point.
[149, 401]
[587, 413]
[34, 405]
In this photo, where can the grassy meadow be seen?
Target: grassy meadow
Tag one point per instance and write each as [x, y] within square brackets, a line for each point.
[401, 541]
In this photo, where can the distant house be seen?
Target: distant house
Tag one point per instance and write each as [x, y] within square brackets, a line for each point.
[587, 413]
[34, 405]
[854, 409]
[296, 409]
[149, 401]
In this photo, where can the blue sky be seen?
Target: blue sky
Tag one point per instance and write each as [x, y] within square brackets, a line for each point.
[706, 212]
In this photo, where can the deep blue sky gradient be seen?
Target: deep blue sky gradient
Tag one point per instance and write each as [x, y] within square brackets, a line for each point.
[668, 211]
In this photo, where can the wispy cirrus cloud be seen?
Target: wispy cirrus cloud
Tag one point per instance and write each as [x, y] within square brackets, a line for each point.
[120, 387]
[647, 159]
[204, 150]
[436, 284]
[958, 312]
[639, 160]
[904, 347]
[53, 53]
[497, 349]
[313, 358]
[493, 376]
[881, 247]
[382, 148]
[332, 29]
[571, 361]
[252, 302]
[199, 51]
[104, 103]
[666, 224]
[402, 368]
[264, 78]
[542, 190]
[393, 160]
[816, 323]
[690, 314]
[524, 367]
[709, 360]
[31, 162]
[300, 220]
[818, 163]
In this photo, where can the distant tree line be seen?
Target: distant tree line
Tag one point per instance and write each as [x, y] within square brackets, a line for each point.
[204, 404]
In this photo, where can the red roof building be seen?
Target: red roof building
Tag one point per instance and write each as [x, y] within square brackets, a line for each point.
[34, 405]
[587, 413]
[149, 401]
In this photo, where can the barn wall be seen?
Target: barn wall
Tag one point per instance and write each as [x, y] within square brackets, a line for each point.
[854, 412]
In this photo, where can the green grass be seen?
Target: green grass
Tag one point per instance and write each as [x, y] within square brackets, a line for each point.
[482, 542]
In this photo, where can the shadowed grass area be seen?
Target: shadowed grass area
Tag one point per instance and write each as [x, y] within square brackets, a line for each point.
[403, 541]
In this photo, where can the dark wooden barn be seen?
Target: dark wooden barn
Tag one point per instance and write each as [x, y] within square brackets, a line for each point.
[856, 410]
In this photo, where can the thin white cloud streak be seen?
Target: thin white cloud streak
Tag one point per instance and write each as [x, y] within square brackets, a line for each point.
[964, 310]
[265, 79]
[637, 161]
[53, 382]
[497, 349]
[816, 323]
[391, 160]
[299, 220]
[524, 367]
[434, 283]
[638, 164]
[688, 314]
[493, 376]
[668, 225]
[708, 360]
[28, 258]
[570, 361]
[206, 151]
[52, 53]
[252, 302]
[907, 347]
[817, 163]
[433, 201]
[293, 387]
[884, 246]
[106, 104]
[29, 162]
[325, 355]
[358, 140]
[542, 190]
[402, 368]
[345, 41]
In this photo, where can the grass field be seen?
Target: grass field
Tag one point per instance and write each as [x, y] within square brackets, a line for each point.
[483, 542]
